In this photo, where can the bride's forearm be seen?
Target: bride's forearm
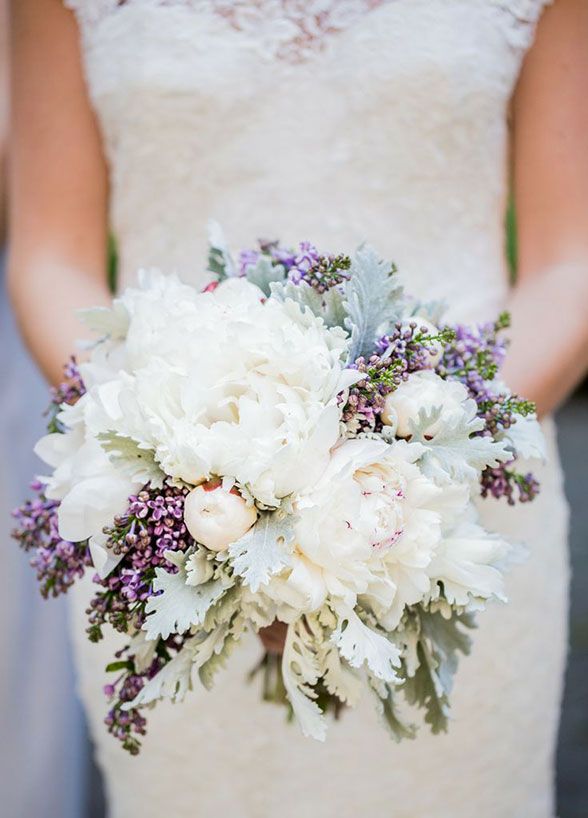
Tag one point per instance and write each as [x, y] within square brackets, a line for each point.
[548, 354]
[45, 297]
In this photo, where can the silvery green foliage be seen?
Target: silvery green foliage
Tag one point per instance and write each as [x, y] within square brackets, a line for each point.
[373, 301]
[439, 643]
[220, 261]
[216, 662]
[174, 680]
[224, 609]
[329, 305]
[300, 672]
[133, 459]
[455, 452]
[257, 609]
[264, 274]
[179, 606]
[340, 679]
[264, 550]
[386, 708]
[359, 644]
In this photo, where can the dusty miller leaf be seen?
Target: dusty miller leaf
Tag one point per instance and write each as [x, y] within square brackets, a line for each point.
[179, 606]
[264, 550]
[373, 301]
[300, 672]
[137, 461]
[174, 680]
[430, 687]
[329, 305]
[264, 274]
[217, 661]
[360, 644]
[386, 708]
[340, 679]
[455, 452]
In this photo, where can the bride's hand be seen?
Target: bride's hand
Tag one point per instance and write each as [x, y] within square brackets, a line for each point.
[274, 637]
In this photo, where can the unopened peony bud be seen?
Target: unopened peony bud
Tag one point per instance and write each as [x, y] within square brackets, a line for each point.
[216, 517]
[424, 391]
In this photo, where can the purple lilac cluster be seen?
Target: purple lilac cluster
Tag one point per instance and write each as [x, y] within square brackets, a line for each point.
[127, 724]
[512, 485]
[68, 392]
[474, 358]
[407, 349]
[322, 272]
[271, 249]
[57, 562]
[152, 525]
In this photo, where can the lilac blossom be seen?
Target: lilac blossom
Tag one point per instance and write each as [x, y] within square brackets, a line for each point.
[58, 563]
[152, 525]
[68, 392]
[398, 354]
[474, 358]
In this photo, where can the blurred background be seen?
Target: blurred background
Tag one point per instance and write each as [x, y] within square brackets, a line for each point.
[46, 766]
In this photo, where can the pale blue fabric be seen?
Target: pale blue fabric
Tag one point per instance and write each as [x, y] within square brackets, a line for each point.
[43, 756]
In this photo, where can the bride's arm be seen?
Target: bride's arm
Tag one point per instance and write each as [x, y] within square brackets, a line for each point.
[549, 304]
[58, 223]
[3, 113]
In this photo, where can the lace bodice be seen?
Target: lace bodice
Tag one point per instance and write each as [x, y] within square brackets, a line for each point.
[339, 121]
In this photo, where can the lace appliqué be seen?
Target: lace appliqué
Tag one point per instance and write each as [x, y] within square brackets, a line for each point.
[288, 29]
[296, 27]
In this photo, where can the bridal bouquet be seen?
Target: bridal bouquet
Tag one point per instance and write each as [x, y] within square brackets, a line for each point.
[299, 442]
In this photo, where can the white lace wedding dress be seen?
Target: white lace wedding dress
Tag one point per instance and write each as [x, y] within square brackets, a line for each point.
[337, 122]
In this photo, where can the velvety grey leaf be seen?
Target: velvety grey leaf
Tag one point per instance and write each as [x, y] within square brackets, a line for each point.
[264, 274]
[178, 606]
[441, 640]
[137, 461]
[264, 550]
[373, 301]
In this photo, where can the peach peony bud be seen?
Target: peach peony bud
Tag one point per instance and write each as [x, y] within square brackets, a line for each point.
[216, 517]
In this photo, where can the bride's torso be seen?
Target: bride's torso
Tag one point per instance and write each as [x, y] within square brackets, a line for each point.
[378, 120]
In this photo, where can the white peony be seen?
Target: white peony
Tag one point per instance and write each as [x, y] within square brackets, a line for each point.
[425, 391]
[216, 517]
[369, 528]
[90, 487]
[468, 565]
[225, 385]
